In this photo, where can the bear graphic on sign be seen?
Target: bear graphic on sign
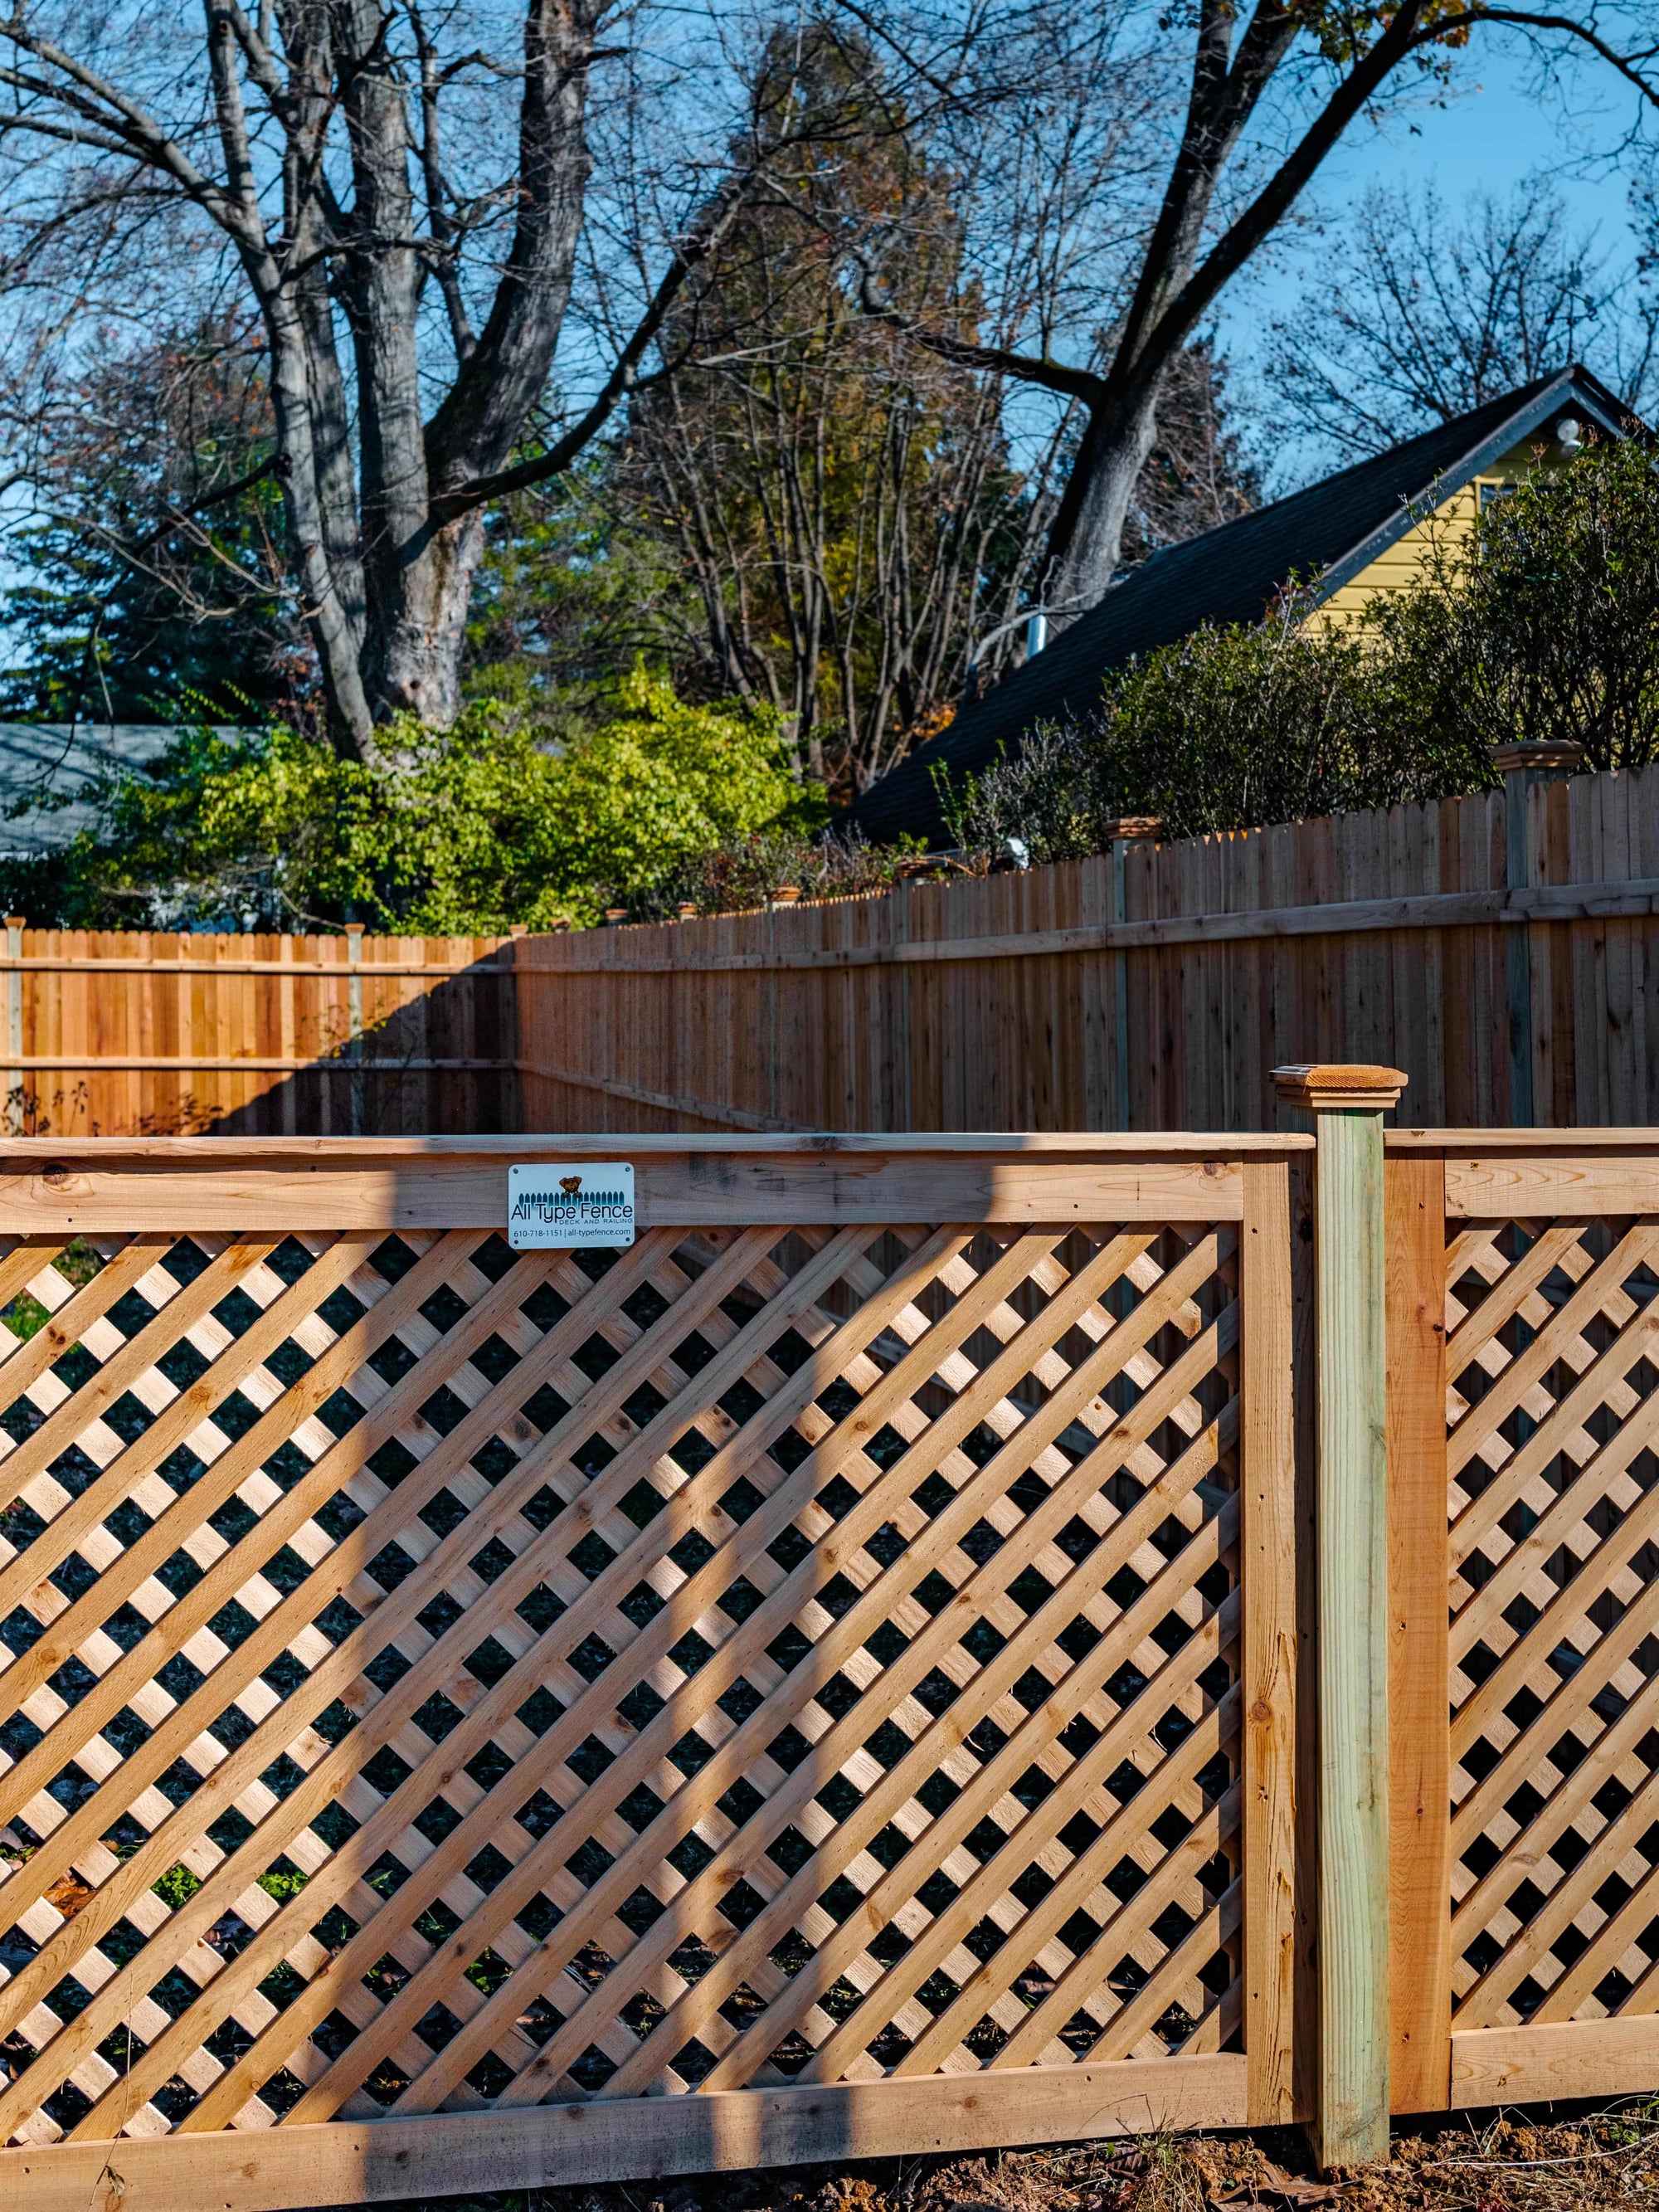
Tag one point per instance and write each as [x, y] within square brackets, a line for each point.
[570, 1185]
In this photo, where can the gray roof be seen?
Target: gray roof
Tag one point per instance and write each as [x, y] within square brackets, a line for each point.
[1332, 531]
[63, 759]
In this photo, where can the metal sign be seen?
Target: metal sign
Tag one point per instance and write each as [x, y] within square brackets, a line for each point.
[558, 1204]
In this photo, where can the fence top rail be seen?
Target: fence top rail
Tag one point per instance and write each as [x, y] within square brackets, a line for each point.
[343, 964]
[42, 1153]
[176, 1185]
[1547, 1142]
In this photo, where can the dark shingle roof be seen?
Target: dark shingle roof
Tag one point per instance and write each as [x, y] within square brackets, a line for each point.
[1332, 529]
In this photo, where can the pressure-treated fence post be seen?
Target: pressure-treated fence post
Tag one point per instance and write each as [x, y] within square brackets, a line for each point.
[1522, 765]
[1129, 829]
[1350, 2104]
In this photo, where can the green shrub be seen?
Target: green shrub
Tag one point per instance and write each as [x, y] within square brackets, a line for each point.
[1544, 623]
[467, 831]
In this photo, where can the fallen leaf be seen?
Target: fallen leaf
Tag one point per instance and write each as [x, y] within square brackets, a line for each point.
[1274, 2187]
[68, 1893]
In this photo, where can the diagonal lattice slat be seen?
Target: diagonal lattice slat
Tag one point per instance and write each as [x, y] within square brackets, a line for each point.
[1552, 1358]
[435, 1677]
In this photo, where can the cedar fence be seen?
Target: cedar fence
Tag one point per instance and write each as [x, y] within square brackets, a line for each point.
[1503, 947]
[944, 1641]
[142, 1033]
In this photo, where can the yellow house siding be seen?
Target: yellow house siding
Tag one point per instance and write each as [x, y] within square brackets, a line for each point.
[1401, 562]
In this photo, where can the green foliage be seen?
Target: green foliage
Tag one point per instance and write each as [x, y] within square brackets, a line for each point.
[77, 1263]
[571, 596]
[746, 872]
[176, 1887]
[283, 1883]
[153, 577]
[469, 831]
[1543, 623]
[1550, 627]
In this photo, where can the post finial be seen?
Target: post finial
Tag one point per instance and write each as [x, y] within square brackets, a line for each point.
[1329, 1086]
[1538, 757]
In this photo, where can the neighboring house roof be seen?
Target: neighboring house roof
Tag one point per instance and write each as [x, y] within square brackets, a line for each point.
[63, 760]
[1332, 531]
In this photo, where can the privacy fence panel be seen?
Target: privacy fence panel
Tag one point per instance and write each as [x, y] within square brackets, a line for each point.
[1500, 947]
[136, 1032]
[818, 1681]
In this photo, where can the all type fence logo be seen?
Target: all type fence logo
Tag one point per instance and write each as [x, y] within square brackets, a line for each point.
[562, 1204]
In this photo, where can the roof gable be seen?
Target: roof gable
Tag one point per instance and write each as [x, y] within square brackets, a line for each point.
[1334, 530]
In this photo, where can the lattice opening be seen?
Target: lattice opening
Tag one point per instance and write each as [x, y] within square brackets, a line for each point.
[1552, 1360]
[437, 1677]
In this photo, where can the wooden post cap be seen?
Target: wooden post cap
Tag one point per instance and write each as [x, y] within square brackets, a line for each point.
[1337, 1085]
[17, 922]
[1536, 753]
[1134, 825]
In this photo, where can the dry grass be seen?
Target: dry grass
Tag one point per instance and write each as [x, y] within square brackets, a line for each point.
[1601, 2161]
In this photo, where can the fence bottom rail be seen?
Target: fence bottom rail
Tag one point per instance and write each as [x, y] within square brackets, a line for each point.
[624, 2138]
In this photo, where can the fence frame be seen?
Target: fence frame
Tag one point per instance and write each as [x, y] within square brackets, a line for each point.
[52, 1188]
[1346, 1739]
[1438, 1179]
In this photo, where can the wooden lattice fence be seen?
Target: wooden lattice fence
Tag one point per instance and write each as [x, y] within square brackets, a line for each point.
[798, 1655]
[846, 1675]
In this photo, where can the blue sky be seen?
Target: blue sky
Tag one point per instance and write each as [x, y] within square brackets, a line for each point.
[1497, 127]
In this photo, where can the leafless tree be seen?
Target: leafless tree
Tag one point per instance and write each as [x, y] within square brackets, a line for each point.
[1411, 315]
[1271, 89]
[400, 189]
[864, 517]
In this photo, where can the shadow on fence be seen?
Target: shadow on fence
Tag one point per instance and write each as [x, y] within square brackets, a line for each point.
[122, 1034]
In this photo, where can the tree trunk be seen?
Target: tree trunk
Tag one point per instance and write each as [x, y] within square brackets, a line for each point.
[418, 626]
[1087, 541]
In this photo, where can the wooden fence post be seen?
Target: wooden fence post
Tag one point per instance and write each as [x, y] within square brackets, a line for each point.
[16, 1120]
[354, 1019]
[1270, 1650]
[1350, 2113]
[1522, 766]
[1420, 1652]
[1129, 829]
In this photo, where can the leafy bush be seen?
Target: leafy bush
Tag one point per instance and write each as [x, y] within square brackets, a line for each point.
[469, 831]
[1548, 627]
[747, 872]
[1542, 622]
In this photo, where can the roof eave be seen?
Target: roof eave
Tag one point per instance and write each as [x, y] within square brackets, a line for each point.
[1597, 401]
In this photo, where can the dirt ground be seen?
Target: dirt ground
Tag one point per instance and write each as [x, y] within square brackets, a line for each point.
[1515, 2163]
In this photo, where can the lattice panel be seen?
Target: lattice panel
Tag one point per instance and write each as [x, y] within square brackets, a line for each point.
[1553, 1367]
[439, 1678]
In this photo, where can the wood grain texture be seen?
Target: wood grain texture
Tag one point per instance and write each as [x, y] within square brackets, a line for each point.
[1351, 2122]
[1269, 1658]
[677, 1188]
[1419, 1743]
[145, 1032]
[554, 2146]
[1576, 2059]
[1506, 1183]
